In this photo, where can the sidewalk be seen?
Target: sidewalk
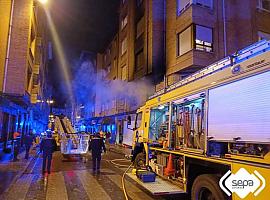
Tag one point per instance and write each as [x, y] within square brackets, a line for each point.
[10, 171]
[120, 149]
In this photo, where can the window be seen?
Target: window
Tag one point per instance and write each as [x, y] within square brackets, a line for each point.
[159, 123]
[115, 63]
[139, 2]
[109, 68]
[105, 58]
[29, 76]
[124, 73]
[204, 38]
[124, 22]
[35, 79]
[184, 4]
[263, 36]
[109, 51]
[264, 4]
[184, 40]
[139, 59]
[124, 46]
[204, 3]
[32, 43]
[138, 120]
[140, 27]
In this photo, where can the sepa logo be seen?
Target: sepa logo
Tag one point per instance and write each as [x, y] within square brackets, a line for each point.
[242, 183]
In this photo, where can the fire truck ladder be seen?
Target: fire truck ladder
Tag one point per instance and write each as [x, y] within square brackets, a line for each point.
[238, 57]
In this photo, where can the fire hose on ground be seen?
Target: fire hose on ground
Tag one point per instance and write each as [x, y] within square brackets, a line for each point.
[124, 174]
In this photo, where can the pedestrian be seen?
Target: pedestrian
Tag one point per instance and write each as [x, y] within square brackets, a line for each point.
[47, 147]
[97, 145]
[16, 144]
[28, 142]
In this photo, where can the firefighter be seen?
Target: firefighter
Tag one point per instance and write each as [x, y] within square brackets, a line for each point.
[97, 145]
[28, 141]
[47, 146]
[16, 144]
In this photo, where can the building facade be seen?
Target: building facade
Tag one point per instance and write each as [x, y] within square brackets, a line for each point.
[200, 32]
[165, 41]
[23, 68]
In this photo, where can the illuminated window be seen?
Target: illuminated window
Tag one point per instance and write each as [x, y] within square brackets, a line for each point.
[184, 4]
[264, 4]
[124, 22]
[184, 41]
[124, 46]
[204, 38]
[139, 59]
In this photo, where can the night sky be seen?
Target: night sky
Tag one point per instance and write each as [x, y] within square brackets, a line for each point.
[87, 25]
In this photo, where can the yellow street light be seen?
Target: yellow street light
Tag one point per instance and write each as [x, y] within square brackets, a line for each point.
[43, 1]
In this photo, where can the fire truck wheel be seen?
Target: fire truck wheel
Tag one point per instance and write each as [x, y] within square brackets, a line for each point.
[139, 161]
[206, 187]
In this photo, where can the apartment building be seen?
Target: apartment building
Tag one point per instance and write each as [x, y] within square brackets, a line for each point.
[173, 39]
[23, 68]
[199, 32]
[136, 52]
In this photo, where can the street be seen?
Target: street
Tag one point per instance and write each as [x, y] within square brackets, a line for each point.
[73, 179]
[176, 92]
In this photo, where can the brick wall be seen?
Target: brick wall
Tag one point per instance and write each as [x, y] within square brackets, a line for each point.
[5, 6]
[17, 68]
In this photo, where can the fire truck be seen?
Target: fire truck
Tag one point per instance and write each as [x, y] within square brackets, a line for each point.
[209, 134]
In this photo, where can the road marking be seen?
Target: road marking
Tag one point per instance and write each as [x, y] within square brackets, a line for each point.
[19, 190]
[93, 189]
[36, 162]
[56, 187]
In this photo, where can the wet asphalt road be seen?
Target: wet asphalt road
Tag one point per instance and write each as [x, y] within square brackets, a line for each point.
[73, 179]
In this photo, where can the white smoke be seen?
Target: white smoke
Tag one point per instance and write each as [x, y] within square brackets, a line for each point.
[88, 83]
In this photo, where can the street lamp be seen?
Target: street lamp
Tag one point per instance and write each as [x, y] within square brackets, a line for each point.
[50, 102]
[43, 1]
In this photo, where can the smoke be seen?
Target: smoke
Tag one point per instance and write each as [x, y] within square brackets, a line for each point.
[89, 84]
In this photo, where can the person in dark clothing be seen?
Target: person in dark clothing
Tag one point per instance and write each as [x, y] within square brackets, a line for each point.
[28, 141]
[96, 145]
[47, 147]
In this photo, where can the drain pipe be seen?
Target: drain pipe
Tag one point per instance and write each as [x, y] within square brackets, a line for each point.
[8, 45]
[224, 28]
